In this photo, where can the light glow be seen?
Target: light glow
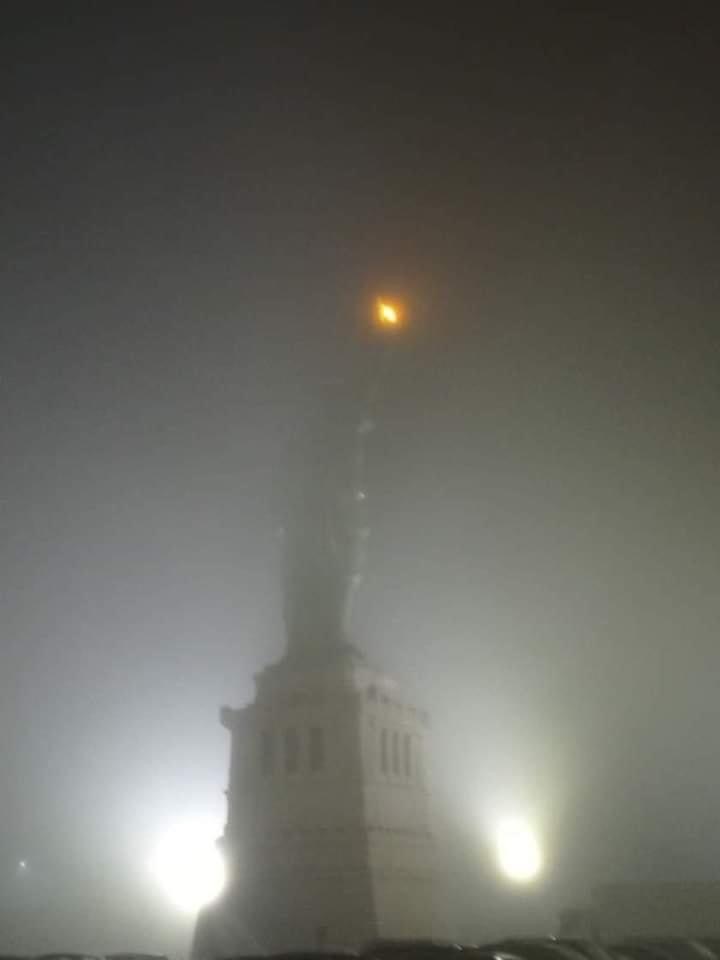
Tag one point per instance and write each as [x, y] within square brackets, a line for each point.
[188, 866]
[388, 315]
[518, 850]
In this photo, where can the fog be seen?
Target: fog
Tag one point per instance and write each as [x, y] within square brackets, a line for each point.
[199, 209]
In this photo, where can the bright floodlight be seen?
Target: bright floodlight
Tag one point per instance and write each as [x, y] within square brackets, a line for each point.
[188, 866]
[518, 850]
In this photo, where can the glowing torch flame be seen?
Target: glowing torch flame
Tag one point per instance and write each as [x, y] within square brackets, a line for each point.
[388, 315]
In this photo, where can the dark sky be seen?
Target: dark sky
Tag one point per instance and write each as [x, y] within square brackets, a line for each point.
[198, 204]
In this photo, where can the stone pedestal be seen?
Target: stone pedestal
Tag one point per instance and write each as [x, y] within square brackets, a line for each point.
[328, 838]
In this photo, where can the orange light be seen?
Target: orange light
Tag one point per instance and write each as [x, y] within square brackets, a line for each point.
[388, 314]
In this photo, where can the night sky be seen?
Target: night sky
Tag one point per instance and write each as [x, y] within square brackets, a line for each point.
[199, 203]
